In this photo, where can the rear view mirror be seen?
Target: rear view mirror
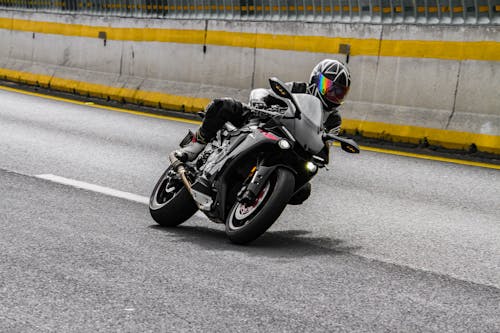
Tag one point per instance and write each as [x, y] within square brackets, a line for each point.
[279, 88]
[349, 146]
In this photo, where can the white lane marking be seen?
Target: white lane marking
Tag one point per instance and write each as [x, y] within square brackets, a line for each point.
[95, 188]
[101, 189]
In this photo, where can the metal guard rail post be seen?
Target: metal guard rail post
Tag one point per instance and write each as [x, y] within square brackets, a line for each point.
[450, 12]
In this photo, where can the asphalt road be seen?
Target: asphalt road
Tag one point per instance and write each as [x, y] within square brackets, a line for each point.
[385, 243]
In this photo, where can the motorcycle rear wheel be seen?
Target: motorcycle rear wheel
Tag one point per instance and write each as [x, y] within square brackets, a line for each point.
[246, 223]
[171, 203]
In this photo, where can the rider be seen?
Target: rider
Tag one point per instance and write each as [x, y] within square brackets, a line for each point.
[329, 81]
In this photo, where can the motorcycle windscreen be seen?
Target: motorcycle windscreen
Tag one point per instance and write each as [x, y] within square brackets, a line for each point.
[307, 130]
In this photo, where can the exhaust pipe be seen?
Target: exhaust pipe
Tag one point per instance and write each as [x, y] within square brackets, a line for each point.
[179, 168]
[202, 200]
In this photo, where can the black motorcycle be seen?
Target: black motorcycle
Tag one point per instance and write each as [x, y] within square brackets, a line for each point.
[246, 176]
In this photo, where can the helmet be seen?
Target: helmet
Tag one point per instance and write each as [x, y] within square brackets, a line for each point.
[330, 81]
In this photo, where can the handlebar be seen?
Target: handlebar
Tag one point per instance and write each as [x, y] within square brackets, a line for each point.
[273, 111]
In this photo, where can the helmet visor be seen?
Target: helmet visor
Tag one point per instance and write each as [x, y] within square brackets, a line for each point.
[332, 91]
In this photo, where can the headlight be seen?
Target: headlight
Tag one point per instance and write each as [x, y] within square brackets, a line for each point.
[284, 144]
[311, 167]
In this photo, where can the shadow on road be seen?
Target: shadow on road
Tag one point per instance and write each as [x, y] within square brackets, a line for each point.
[274, 244]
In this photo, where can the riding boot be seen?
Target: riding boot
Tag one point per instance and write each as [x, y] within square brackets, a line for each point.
[190, 150]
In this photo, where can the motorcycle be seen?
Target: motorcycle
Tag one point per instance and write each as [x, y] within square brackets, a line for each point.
[245, 177]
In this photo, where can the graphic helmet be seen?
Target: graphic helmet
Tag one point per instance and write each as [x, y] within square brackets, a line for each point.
[330, 80]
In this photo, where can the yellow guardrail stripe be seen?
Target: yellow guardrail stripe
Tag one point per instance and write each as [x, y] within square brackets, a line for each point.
[414, 134]
[140, 97]
[472, 50]
[480, 50]
[397, 133]
[99, 106]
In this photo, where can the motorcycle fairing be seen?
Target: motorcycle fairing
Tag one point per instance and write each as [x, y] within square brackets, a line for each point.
[307, 129]
[257, 183]
[254, 140]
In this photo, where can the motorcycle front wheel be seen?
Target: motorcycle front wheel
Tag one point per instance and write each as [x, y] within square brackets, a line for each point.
[171, 203]
[246, 223]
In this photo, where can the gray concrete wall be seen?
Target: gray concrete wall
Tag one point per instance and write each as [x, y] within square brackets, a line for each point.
[462, 95]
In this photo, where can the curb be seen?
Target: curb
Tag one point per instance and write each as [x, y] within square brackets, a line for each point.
[377, 130]
[124, 95]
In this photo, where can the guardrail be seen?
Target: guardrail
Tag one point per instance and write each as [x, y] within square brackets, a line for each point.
[348, 11]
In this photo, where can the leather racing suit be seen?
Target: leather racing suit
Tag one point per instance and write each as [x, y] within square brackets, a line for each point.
[222, 110]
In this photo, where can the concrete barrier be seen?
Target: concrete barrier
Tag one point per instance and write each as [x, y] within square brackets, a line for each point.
[438, 84]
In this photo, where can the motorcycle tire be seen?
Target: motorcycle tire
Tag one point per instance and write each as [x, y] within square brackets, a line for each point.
[245, 224]
[171, 203]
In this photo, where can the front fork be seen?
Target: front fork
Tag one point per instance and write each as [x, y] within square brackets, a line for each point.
[248, 194]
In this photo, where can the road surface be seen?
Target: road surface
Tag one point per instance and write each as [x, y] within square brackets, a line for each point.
[385, 243]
